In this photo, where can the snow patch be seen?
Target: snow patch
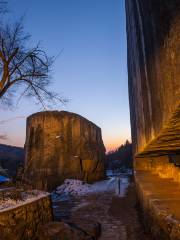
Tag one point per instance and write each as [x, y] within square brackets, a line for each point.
[74, 187]
[26, 197]
[80, 188]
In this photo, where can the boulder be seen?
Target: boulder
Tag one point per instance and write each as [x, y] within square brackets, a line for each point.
[61, 145]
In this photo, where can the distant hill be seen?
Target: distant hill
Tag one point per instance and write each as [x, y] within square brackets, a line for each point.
[11, 158]
[120, 158]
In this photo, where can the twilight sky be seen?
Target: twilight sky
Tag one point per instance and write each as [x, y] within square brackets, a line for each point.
[91, 71]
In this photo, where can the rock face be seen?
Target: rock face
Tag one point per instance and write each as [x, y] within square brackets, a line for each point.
[22, 222]
[153, 31]
[62, 145]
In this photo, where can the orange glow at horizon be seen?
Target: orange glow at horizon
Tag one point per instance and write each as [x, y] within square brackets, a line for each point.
[112, 139]
[112, 144]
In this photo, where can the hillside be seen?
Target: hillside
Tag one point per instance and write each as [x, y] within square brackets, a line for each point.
[120, 158]
[11, 158]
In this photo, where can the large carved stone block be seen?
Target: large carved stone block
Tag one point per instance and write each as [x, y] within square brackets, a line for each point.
[62, 145]
[153, 32]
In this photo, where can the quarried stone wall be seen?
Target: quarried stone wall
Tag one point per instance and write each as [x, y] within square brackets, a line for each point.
[62, 145]
[163, 166]
[23, 221]
[159, 201]
[153, 40]
[153, 33]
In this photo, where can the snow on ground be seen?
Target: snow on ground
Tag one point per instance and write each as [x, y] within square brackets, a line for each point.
[74, 187]
[7, 203]
[118, 185]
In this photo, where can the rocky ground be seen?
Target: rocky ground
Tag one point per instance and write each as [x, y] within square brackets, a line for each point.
[117, 215]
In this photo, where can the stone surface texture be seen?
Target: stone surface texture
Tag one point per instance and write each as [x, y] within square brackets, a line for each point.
[153, 33]
[62, 231]
[61, 145]
[158, 187]
[22, 222]
[79, 229]
[160, 201]
[153, 39]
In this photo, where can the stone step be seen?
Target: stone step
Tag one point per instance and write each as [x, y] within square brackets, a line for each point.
[160, 198]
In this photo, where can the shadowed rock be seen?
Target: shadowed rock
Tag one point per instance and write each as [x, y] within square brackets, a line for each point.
[62, 145]
[62, 231]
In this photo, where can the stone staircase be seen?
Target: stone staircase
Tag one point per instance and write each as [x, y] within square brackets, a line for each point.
[160, 202]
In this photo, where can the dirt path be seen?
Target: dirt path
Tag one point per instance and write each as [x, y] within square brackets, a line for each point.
[117, 215]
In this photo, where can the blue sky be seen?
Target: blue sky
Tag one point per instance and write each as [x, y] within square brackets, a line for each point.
[91, 71]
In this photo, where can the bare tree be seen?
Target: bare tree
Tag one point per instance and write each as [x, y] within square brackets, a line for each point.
[24, 69]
